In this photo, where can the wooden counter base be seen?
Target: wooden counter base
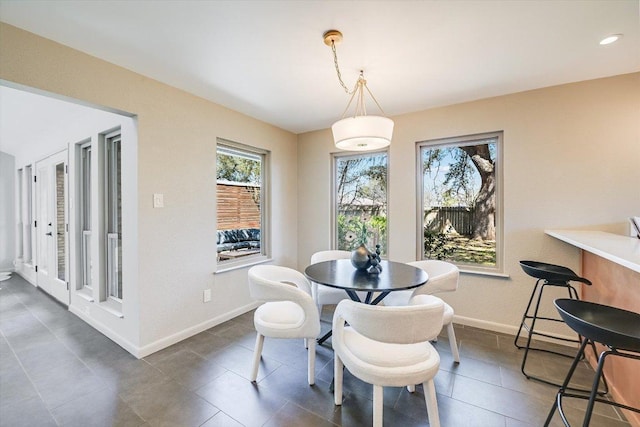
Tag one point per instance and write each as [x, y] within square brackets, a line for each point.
[616, 286]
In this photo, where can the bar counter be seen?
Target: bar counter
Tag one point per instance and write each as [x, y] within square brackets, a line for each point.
[612, 263]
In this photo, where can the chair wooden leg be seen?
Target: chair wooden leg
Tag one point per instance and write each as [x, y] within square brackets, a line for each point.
[311, 361]
[257, 351]
[337, 380]
[453, 343]
[377, 405]
[432, 403]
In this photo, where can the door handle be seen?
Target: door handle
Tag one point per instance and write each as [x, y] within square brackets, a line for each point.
[49, 234]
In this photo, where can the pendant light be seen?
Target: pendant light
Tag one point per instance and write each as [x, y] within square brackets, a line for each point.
[358, 132]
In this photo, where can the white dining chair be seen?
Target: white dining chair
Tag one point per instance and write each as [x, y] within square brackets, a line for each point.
[325, 295]
[443, 277]
[388, 347]
[288, 311]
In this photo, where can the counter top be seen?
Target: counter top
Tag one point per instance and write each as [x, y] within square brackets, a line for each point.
[623, 250]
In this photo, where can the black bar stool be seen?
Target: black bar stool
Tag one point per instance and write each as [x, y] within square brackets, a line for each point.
[617, 329]
[547, 275]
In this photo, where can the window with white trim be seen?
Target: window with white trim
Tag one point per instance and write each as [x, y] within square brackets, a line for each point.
[460, 201]
[360, 200]
[20, 215]
[113, 214]
[26, 189]
[85, 215]
[242, 200]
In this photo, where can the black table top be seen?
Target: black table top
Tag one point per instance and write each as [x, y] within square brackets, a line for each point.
[343, 275]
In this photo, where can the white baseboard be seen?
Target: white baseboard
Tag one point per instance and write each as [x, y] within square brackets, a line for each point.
[148, 349]
[113, 336]
[28, 274]
[189, 332]
[508, 329]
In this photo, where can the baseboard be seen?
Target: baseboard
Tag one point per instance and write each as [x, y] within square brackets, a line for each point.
[158, 345]
[508, 329]
[189, 332]
[109, 333]
[28, 275]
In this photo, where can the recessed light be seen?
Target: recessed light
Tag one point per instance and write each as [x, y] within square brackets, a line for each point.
[610, 39]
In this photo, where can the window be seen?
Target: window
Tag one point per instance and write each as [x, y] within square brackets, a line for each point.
[98, 220]
[27, 215]
[20, 215]
[85, 215]
[460, 199]
[241, 172]
[113, 215]
[61, 218]
[360, 194]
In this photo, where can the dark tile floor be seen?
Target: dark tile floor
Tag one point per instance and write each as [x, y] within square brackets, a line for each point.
[57, 370]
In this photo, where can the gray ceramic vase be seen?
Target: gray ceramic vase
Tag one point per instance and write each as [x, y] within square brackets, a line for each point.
[360, 258]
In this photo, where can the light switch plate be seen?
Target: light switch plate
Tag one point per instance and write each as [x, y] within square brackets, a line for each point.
[158, 200]
[206, 295]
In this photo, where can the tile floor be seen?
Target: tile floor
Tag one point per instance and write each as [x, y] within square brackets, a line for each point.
[57, 370]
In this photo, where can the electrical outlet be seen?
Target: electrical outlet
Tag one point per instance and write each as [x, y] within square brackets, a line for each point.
[206, 295]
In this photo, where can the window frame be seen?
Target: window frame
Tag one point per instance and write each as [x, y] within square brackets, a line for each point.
[112, 194]
[225, 146]
[28, 236]
[20, 214]
[85, 163]
[334, 189]
[457, 141]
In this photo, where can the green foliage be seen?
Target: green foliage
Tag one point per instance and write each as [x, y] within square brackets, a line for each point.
[435, 245]
[450, 176]
[237, 169]
[459, 179]
[361, 198]
[354, 230]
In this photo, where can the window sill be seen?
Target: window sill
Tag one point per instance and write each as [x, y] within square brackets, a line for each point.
[112, 307]
[238, 264]
[84, 294]
[496, 274]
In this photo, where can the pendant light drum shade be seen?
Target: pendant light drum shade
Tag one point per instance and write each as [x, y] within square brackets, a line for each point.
[362, 133]
[358, 132]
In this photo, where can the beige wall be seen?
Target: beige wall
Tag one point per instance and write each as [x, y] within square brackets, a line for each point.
[571, 159]
[175, 246]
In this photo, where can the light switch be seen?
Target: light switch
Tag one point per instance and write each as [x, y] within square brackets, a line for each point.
[158, 200]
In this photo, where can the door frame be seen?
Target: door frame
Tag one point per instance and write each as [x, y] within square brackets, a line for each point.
[49, 229]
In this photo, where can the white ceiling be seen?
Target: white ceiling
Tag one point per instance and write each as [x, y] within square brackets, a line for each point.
[267, 59]
[35, 125]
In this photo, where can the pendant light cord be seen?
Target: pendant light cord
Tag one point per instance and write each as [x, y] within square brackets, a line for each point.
[335, 62]
[357, 89]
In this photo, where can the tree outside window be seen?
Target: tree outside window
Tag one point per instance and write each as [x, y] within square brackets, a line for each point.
[361, 201]
[460, 200]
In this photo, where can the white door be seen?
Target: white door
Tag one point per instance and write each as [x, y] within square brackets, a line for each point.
[51, 227]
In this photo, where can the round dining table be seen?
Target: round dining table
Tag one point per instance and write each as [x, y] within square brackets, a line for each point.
[341, 274]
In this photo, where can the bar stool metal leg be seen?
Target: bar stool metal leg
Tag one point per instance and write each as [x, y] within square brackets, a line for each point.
[539, 290]
[557, 404]
[615, 328]
[592, 395]
[599, 374]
